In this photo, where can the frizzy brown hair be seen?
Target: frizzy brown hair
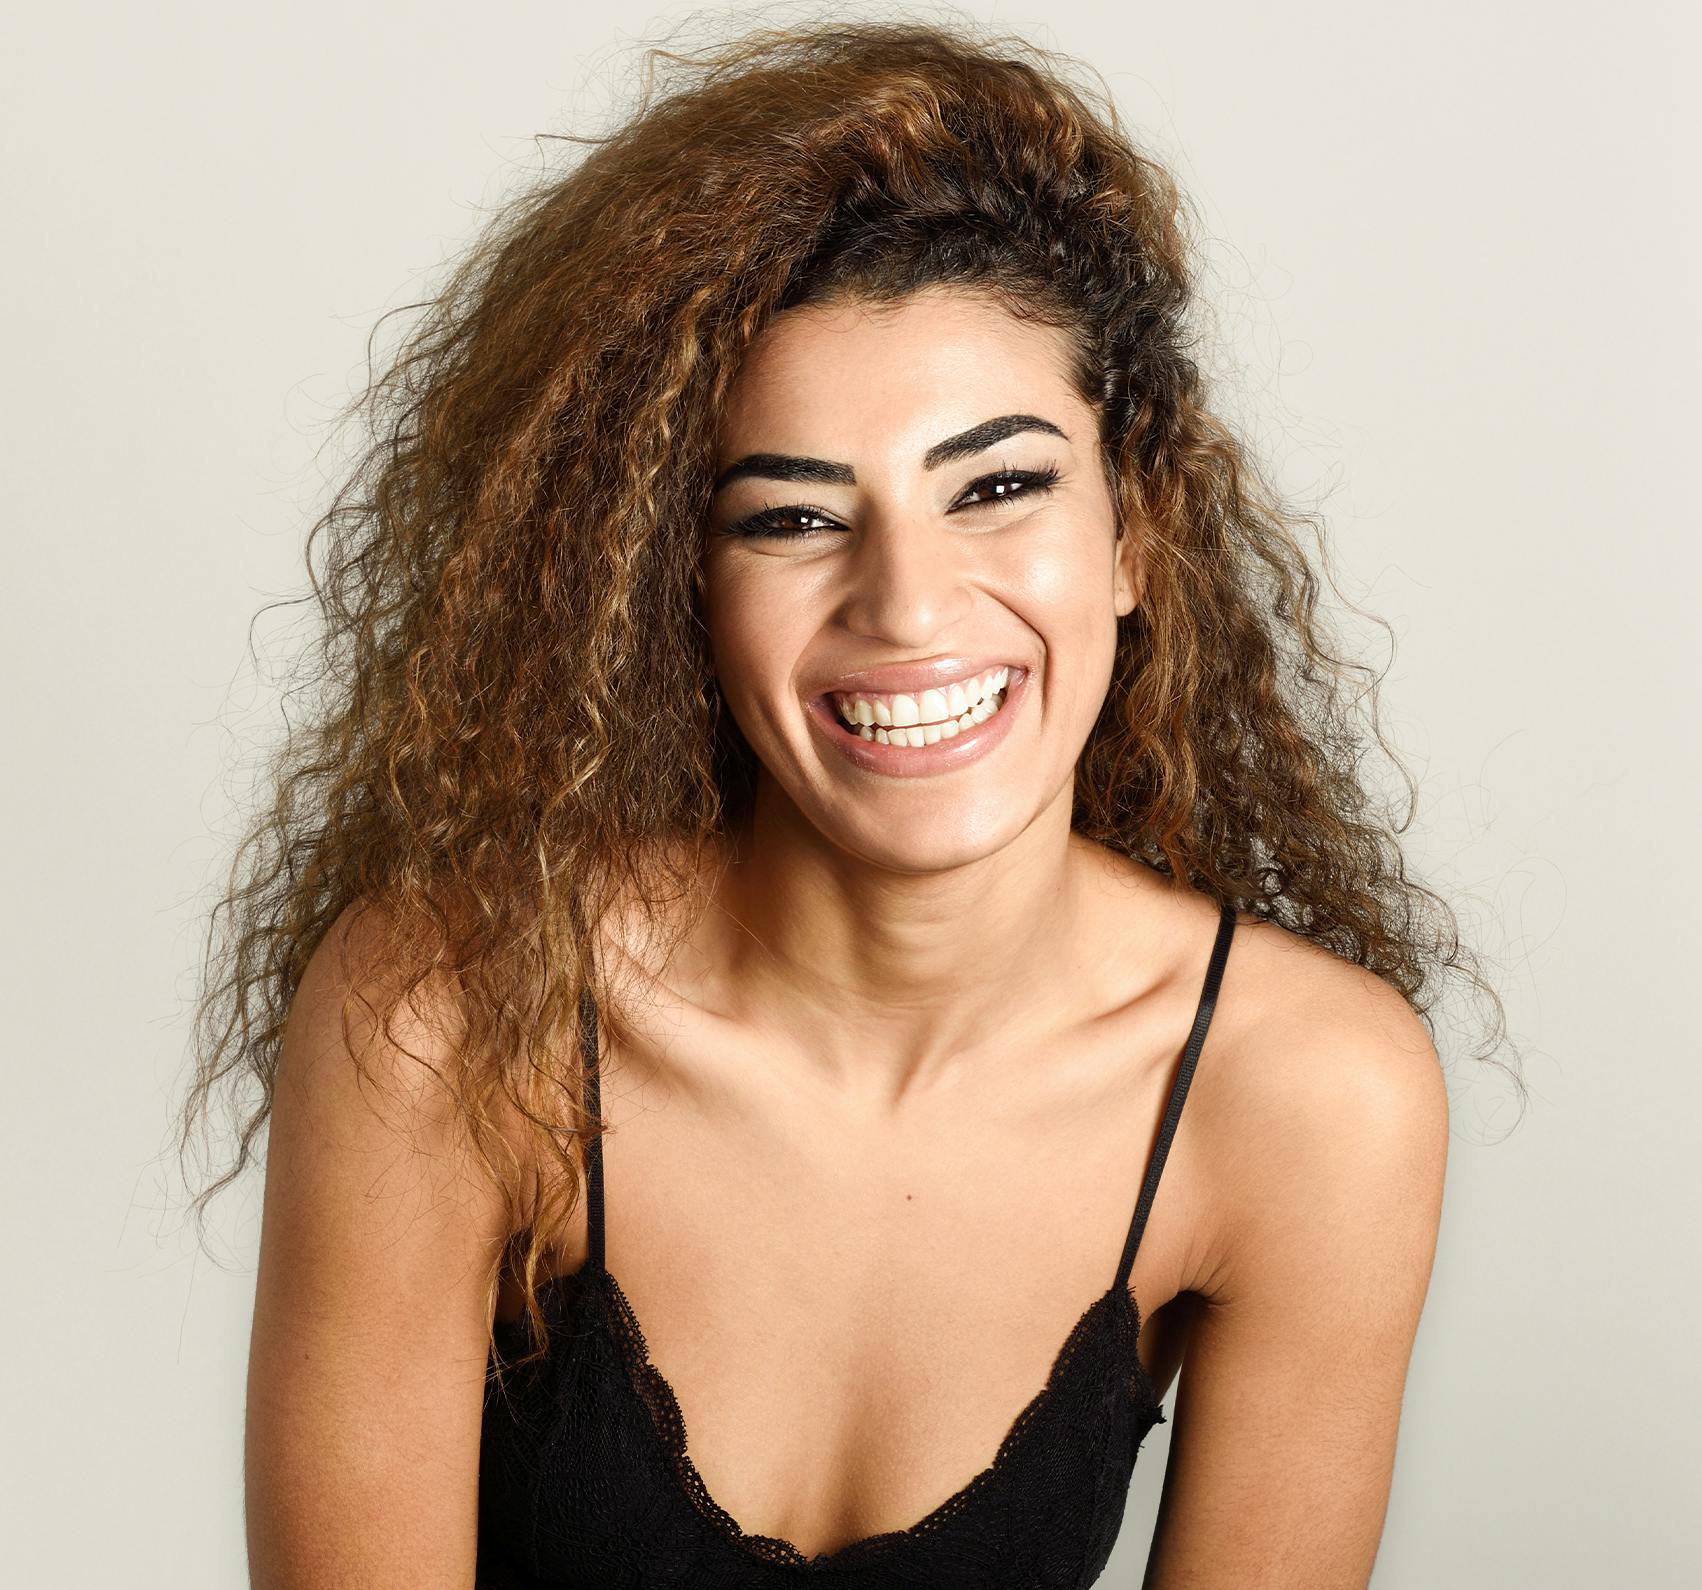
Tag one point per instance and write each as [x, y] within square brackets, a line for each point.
[519, 731]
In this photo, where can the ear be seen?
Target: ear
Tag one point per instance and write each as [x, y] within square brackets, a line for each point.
[1129, 584]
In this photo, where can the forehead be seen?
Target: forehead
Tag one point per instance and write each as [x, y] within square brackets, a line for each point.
[927, 360]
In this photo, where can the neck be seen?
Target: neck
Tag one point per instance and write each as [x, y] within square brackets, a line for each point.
[889, 983]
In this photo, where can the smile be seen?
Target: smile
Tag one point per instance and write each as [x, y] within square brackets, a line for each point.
[909, 736]
[902, 718]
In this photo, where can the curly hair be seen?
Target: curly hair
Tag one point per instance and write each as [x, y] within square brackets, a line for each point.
[518, 728]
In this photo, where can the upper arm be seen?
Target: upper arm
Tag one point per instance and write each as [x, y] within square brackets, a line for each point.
[1283, 1434]
[379, 1242]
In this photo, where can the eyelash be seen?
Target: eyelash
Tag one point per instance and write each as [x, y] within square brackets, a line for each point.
[1033, 482]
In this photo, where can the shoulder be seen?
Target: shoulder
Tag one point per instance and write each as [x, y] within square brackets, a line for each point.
[1325, 1108]
[378, 1250]
[373, 1053]
[1321, 1146]
[351, 1006]
[371, 1073]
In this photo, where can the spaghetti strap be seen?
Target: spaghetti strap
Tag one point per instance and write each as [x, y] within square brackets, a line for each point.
[594, 1153]
[1178, 1092]
[589, 1479]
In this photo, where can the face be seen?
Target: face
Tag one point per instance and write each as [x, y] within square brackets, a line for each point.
[912, 527]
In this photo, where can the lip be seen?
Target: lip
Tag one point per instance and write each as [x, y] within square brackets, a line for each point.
[914, 677]
[918, 761]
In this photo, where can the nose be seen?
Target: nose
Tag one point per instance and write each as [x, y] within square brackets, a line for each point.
[906, 582]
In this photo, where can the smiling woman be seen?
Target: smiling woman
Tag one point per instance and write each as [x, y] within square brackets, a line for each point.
[803, 647]
[1008, 580]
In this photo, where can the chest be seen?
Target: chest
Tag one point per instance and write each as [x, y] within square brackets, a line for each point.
[850, 1315]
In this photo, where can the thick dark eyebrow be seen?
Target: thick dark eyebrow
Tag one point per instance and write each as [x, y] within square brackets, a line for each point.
[825, 472]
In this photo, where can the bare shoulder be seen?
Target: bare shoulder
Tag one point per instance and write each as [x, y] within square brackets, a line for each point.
[1323, 1140]
[377, 1252]
[1325, 1094]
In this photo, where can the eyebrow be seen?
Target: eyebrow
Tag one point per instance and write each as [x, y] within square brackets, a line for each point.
[826, 472]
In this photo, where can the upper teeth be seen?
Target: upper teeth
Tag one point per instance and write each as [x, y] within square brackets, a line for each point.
[929, 706]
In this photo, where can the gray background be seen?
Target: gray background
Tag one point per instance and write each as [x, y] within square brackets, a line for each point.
[1453, 258]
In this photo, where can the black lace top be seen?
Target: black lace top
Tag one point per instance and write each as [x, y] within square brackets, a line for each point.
[585, 1481]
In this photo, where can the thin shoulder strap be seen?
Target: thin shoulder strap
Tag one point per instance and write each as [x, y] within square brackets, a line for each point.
[1179, 1092]
[593, 1104]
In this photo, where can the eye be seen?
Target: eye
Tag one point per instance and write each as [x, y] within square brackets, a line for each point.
[1009, 483]
[1003, 486]
[771, 524]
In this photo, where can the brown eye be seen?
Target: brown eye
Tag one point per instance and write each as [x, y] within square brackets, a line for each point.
[780, 523]
[1010, 483]
[773, 522]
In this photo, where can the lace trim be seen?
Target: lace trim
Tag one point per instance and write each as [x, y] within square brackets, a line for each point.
[654, 1391]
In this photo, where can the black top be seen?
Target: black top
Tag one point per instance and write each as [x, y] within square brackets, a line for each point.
[585, 1482]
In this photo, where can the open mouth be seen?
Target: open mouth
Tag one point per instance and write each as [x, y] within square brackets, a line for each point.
[924, 717]
[938, 738]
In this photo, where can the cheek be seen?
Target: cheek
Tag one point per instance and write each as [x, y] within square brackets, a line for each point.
[1067, 570]
[1063, 590]
[1063, 586]
[754, 635]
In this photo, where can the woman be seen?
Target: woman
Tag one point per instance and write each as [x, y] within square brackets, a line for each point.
[818, 702]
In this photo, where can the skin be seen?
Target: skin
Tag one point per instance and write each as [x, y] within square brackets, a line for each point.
[878, 1126]
[869, 895]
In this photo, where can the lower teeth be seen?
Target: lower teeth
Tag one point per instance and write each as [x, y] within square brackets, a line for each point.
[920, 734]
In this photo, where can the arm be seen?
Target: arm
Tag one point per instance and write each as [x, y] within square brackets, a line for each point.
[1283, 1435]
[377, 1255]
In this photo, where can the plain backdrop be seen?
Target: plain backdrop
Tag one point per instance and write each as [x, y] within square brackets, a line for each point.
[1452, 258]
